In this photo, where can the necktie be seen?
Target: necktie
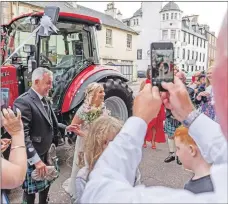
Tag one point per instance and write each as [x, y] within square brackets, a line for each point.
[45, 105]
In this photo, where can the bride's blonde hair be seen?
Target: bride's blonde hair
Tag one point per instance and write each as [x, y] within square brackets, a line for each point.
[97, 137]
[91, 91]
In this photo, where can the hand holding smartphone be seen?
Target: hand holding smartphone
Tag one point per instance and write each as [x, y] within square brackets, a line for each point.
[162, 63]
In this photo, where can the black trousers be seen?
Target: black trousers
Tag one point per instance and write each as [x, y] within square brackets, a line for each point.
[43, 197]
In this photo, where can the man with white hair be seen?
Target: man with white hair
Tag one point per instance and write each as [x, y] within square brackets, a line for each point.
[40, 128]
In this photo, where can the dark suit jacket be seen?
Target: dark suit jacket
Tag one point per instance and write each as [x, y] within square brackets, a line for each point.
[39, 130]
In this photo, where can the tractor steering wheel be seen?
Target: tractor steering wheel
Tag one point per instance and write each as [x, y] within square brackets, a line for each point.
[45, 59]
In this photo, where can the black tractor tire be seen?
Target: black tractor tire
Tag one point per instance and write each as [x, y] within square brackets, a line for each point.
[118, 92]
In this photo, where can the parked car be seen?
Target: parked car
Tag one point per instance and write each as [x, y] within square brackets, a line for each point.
[141, 74]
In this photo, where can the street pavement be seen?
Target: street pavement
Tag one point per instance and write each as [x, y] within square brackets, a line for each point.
[153, 169]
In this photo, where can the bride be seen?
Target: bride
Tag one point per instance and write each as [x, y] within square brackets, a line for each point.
[91, 109]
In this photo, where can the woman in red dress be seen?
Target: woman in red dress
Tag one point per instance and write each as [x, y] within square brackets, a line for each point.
[155, 131]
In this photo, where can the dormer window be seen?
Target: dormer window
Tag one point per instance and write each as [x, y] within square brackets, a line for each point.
[167, 16]
[163, 16]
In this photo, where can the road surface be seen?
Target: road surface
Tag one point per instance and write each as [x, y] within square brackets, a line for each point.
[153, 169]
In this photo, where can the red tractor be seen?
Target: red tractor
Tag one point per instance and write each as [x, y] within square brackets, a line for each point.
[71, 54]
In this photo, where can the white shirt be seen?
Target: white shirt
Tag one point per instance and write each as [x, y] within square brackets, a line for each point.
[40, 97]
[112, 179]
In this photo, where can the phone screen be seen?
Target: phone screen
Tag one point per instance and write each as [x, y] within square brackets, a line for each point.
[162, 63]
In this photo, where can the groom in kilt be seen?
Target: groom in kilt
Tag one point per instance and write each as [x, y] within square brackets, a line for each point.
[40, 128]
[171, 124]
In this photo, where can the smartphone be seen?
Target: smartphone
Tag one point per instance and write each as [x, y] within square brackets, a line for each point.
[162, 63]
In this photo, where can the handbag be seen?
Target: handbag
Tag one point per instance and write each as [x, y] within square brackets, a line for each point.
[52, 168]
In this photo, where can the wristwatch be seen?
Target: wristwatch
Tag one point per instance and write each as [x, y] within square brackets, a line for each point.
[191, 118]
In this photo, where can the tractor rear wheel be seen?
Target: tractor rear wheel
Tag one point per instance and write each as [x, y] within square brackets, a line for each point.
[118, 98]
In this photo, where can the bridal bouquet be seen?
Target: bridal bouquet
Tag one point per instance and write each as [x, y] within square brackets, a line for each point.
[91, 113]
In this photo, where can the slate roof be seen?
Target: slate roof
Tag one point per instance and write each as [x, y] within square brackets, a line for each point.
[171, 6]
[105, 19]
[138, 13]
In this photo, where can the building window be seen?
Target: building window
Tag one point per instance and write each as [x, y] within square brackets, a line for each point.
[178, 52]
[193, 39]
[179, 34]
[175, 15]
[184, 37]
[203, 67]
[163, 17]
[187, 68]
[203, 57]
[204, 43]
[200, 57]
[129, 41]
[173, 34]
[183, 54]
[192, 69]
[192, 54]
[196, 67]
[137, 21]
[197, 42]
[182, 66]
[188, 54]
[139, 54]
[164, 34]
[199, 68]
[108, 37]
[167, 16]
[189, 38]
[196, 56]
[171, 15]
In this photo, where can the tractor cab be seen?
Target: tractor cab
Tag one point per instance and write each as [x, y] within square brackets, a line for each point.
[65, 53]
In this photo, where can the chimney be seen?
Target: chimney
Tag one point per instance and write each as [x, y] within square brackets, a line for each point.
[111, 10]
[119, 16]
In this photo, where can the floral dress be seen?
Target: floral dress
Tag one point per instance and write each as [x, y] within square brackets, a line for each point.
[208, 107]
[87, 114]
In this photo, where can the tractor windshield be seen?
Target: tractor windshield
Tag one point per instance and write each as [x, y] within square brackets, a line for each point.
[71, 45]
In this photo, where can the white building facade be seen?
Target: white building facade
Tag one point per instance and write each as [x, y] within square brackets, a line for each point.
[166, 24]
[144, 22]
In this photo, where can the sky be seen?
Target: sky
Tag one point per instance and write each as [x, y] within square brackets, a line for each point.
[211, 13]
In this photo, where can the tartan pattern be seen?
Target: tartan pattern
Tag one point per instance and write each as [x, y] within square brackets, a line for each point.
[31, 186]
[170, 126]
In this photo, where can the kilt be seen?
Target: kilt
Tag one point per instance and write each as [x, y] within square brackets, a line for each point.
[31, 186]
[171, 125]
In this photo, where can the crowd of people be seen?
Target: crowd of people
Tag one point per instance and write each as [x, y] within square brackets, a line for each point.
[108, 153]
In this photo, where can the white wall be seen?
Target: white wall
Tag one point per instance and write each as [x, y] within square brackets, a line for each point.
[118, 50]
[150, 31]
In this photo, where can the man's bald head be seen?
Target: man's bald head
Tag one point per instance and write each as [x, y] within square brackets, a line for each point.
[220, 78]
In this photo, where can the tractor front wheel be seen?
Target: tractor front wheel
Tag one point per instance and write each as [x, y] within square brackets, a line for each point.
[118, 98]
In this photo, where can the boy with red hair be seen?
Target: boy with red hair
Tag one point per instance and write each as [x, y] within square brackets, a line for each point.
[191, 158]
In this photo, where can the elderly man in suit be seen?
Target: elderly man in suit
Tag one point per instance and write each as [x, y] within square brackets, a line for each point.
[40, 128]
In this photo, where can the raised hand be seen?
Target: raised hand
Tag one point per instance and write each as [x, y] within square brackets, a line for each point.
[177, 99]
[12, 123]
[147, 103]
